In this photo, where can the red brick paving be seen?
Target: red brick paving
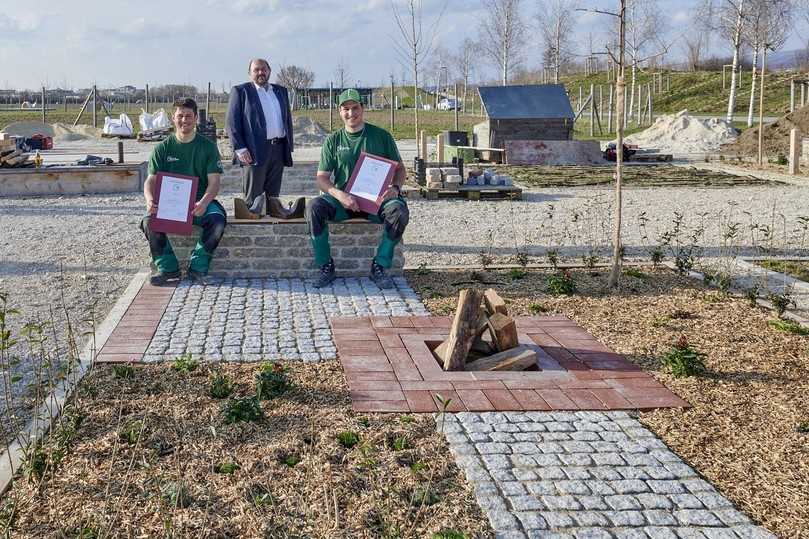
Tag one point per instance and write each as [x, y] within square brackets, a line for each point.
[389, 367]
[131, 337]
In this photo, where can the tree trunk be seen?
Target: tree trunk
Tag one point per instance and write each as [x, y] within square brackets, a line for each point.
[617, 248]
[761, 109]
[737, 43]
[753, 86]
[632, 91]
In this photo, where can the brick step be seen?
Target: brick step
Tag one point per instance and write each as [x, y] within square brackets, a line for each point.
[282, 249]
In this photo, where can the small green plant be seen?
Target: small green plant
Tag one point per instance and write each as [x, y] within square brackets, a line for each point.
[517, 273]
[788, 326]
[656, 255]
[590, 261]
[176, 494]
[537, 308]
[123, 372]
[221, 386]
[634, 272]
[418, 467]
[781, 160]
[449, 534]
[561, 284]
[259, 496]
[521, 258]
[424, 496]
[131, 432]
[406, 419]
[271, 381]
[423, 269]
[400, 443]
[37, 464]
[364, 422]
[683, 360]
[660, 321]
[8, 514]
[85, 531]
[348, 439]
[185, 363]
[290, 459]
[244, 409]
[780, 302]
[228, 467]
[803, 427]
[553, 257]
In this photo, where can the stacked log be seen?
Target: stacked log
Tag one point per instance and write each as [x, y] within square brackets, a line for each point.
[466, 348]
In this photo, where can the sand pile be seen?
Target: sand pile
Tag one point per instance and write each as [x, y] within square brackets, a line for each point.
[308, 132]
[682, 133]
[59, 131]
[776, 136]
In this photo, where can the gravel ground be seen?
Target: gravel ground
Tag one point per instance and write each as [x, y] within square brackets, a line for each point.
[85, 249]
[452, 232]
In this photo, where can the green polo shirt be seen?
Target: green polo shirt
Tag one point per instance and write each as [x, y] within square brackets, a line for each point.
[199, 158]
[341, 150]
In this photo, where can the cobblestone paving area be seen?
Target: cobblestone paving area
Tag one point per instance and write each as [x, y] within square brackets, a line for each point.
[586, 475]
[267, 319]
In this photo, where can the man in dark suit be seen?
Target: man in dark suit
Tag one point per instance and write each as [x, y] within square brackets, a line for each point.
[259, 124]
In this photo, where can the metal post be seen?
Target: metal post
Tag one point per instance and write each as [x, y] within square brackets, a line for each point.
[456, 107]
[43, 105]
[208, 100]
[65, 103]
[331, 107]
[609, 112]
[120, 151]
[146, 99]
[95, 112]
[592, 110]
[392, 105]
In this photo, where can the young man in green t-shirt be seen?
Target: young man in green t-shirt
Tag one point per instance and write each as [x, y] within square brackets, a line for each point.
[339, 154]
[185, 152]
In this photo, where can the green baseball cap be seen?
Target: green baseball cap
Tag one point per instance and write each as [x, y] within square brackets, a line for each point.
[349, 95]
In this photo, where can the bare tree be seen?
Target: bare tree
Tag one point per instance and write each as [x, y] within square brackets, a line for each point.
[464, 62]
[694, 45]
[296, 78]
[342, 76]
[730, 19]
[504, 34]
[414, 45]
[644, 30]
[556, 25]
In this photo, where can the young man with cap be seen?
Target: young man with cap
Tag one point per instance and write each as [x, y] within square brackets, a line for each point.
[185, 153]
[339, 155]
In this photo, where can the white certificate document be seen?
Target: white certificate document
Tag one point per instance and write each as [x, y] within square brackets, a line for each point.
[175, 194]
[370, 178]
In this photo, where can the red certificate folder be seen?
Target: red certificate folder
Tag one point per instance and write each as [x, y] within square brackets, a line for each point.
[367, 205]
[170, 226]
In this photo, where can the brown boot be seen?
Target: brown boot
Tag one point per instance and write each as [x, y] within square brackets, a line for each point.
[297, 210]
[275, 208]
[241, 211]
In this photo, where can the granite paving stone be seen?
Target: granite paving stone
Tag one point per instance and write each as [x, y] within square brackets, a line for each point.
[572, 487]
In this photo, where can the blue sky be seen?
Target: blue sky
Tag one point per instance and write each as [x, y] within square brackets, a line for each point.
[76, 43]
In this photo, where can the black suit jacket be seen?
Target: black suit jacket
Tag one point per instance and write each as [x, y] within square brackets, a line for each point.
[247, 127]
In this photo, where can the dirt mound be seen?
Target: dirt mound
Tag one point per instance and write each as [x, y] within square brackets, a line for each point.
[308, 132]
[682, 133]
[27, 129]
[776, 136]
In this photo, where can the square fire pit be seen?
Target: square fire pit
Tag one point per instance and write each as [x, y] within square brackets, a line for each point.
[390, 367]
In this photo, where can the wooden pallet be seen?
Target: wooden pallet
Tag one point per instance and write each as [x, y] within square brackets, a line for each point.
[469, 192]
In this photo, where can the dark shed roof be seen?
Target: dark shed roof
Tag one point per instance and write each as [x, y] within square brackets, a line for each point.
[526, 101]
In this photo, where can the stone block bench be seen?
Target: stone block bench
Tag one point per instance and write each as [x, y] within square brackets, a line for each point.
[281, 249]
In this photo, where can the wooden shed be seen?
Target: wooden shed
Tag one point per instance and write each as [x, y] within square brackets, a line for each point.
[525, 112]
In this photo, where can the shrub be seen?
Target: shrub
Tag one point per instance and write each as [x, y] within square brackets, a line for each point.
[271, 381]
[228, 468]
[561, 284]
[185, 364]
[221, 387]
[780, 302]
[537, 308]
[682, 360]
[123, 372]
[245, 409]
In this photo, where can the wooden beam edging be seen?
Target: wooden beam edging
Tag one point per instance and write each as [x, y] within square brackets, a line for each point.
[11, 460]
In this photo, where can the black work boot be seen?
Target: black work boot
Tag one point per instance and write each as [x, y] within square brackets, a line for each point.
[327, 275]
[379, 276]
[163, 278]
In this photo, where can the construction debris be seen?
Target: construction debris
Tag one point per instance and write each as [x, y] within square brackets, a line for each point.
[467, 349]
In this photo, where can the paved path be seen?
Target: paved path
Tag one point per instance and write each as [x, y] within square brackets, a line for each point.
[585, 475]
[267, 319]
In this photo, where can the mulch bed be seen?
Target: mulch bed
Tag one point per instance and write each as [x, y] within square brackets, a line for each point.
[655, 175]
[151, 453]
[746, 430]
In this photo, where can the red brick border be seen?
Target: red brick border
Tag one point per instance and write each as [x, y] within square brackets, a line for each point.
[390, 368]
[131, 337]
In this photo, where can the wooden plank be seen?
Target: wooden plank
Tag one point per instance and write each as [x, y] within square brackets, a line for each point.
[494, 303]
[515, 359]
[11, 155]
[504, 331]
[464, 329]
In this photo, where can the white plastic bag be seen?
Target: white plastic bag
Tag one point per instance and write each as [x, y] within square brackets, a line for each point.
[120, 127]
[158, 120]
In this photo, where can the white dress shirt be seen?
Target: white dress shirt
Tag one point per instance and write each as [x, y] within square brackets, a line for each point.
[272, 111]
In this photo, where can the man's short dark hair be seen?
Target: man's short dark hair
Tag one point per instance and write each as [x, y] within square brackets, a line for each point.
[186, 103]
